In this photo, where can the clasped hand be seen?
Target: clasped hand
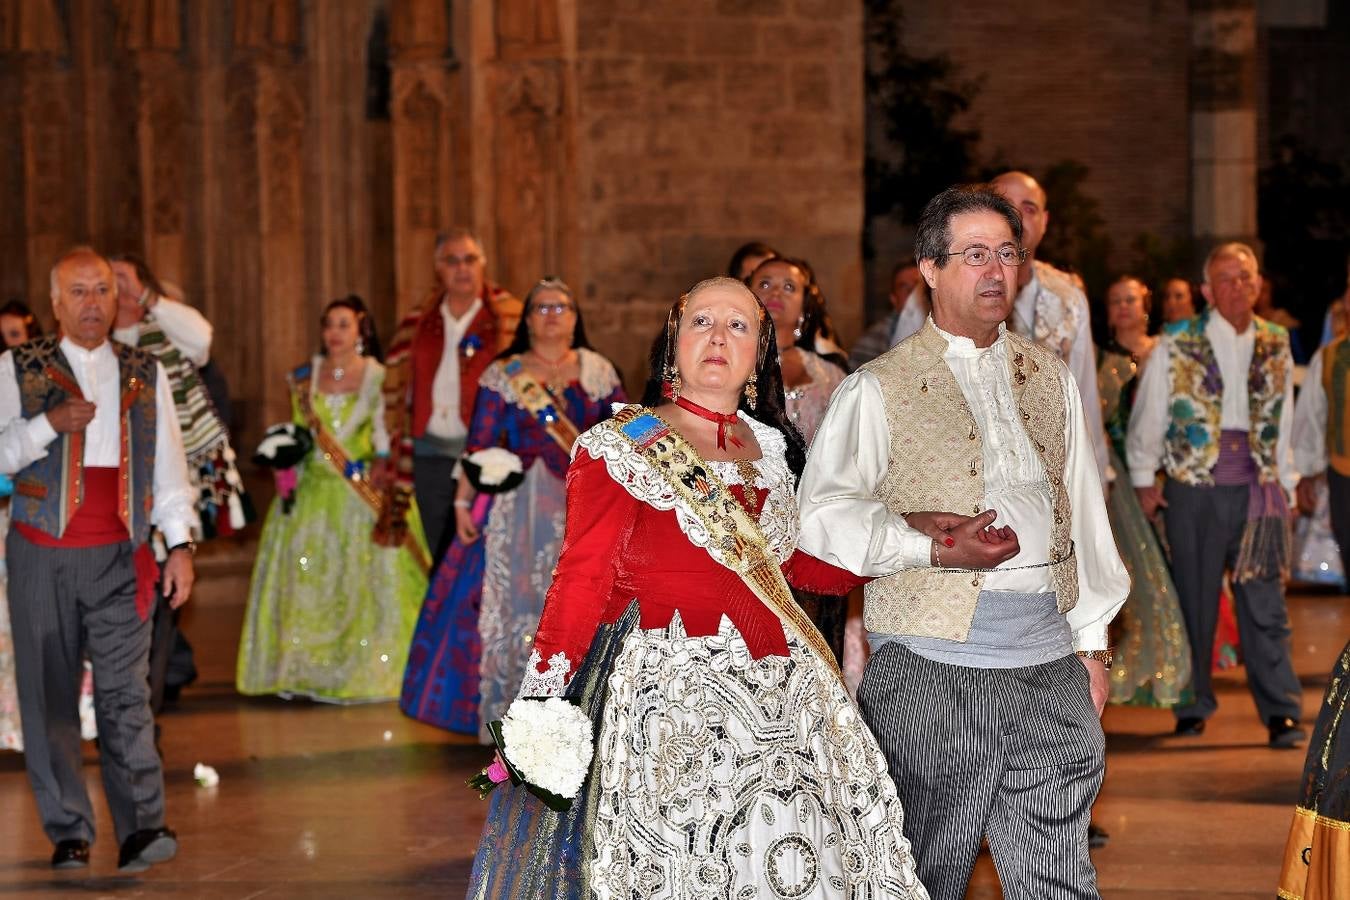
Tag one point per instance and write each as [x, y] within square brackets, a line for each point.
[966, 542]
[72, 415]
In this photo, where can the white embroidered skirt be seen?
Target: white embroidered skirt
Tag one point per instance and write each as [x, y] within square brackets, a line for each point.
[726, 776]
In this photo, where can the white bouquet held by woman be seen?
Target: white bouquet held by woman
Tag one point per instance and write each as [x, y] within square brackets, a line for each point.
[494, 470]
[545, 744]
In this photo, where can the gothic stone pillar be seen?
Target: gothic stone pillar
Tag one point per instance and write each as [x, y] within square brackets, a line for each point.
[1223, 120]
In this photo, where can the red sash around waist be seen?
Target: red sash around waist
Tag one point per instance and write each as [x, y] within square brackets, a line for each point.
[97, 524]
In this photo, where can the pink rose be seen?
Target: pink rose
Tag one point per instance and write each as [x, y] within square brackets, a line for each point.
[497, 772]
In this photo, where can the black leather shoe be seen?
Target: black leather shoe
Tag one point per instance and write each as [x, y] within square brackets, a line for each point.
[1097, 836]
[1285, 733]
[145, 847]
[1190, 726]
[71, 855]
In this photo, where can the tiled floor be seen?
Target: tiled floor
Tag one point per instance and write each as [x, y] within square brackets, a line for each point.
[318, 801]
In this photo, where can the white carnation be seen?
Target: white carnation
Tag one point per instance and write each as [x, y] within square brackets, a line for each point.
[550, 743]
[495, 464]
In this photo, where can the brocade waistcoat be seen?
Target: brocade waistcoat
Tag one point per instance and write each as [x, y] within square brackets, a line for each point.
[48, 492]
[1336, 383]
[937, 464]
[1195, 407]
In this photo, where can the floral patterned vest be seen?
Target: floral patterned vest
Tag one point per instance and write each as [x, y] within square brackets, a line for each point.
[1196, 409]
[1336, 383]
[48, 493]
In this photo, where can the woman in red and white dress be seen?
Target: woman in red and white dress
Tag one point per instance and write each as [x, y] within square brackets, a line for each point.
[729, 759]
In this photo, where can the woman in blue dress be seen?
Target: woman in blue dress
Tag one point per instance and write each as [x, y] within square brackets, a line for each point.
[486, 596]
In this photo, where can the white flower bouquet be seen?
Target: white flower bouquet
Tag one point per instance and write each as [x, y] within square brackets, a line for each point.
[494, 470]
[545, 744]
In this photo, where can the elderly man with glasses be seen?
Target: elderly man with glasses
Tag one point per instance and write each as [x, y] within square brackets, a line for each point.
[956, 471]
[433, 366]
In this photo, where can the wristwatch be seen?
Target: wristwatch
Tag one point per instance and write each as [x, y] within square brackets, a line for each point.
[189, 546]
[1101, 656]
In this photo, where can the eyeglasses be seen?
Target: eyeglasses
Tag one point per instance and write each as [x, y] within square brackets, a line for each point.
[978, 256]
[454, 262]
[551, 309]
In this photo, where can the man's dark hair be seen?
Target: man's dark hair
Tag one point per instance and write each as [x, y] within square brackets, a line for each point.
[143, 271]
[902, 265]
[743, 252]
[934, 233]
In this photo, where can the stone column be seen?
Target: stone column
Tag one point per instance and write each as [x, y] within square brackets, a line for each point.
[341, 238]
[52, 196]
[256, 204]
[422, 114]
[161, 122]
[523, 76]
[1223, 121]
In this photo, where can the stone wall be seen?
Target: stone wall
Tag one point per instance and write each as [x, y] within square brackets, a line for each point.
[706, 125]
[1103, 83]
[242, 147]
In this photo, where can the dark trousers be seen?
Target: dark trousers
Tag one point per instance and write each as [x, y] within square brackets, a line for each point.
[171, 661]
[434, 487]
[1338, 489]
[65, 602]
[1016, 755]
[1204, 527]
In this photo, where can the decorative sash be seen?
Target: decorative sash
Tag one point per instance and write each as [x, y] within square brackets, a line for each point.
[352, 472]
[203, 431]
[708, 513]
[540, 403]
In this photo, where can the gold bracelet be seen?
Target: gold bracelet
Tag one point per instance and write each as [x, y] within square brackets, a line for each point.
[1101, 656]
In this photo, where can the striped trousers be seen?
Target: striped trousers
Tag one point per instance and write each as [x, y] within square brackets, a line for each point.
[64, 602]
[1014, 755]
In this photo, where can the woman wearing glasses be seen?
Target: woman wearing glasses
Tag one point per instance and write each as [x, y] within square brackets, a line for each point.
[485, 598]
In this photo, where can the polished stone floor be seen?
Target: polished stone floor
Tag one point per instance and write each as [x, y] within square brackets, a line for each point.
[320, 801]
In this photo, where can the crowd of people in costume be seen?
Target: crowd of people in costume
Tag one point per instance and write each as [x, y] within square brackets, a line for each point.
[787, 586]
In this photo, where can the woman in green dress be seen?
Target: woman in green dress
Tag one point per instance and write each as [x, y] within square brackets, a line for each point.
[333, 600]
[1152, 661]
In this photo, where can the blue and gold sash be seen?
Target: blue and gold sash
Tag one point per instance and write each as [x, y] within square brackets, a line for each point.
[539, 402]
[351, 471]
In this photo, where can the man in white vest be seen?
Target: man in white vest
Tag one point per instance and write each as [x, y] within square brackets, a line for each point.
[1050, 307]
[957, 471]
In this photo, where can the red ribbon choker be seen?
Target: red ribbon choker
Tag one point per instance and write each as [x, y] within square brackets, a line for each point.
[722, 420]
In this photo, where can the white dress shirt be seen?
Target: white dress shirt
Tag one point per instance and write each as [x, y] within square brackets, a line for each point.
[446, 422]
[25, 441]
[1082, 361]
[1145, 443]
[844, 523]
[910, 319]
[1310, 422]
[185, 327]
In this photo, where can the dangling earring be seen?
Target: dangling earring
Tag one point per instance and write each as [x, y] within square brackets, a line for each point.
[673, 382]
[797, 332]
[360, 347]
[752, 392]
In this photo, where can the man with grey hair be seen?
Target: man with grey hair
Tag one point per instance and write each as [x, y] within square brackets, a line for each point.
[1051, 308]
[956, 470]
[433, 366]
[1214, 411]
[89, 431]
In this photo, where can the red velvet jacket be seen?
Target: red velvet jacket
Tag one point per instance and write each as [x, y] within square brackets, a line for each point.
[475, 352]
[617, 548]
